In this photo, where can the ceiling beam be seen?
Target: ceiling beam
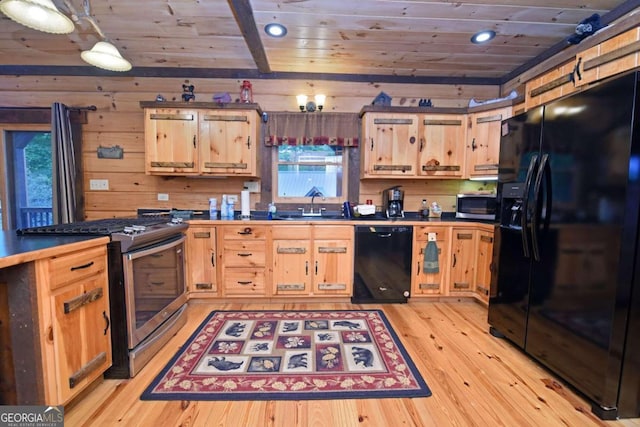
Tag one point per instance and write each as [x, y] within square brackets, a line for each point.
[246, 22]
[236, 73]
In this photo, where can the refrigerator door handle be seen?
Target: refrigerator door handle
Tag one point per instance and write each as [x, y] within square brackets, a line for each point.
[525, 203]
[544, 172]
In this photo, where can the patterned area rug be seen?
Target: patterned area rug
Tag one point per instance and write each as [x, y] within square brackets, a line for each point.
[290, 355]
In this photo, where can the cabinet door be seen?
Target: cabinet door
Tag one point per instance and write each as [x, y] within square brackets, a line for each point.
[81, 334]
[228, 142]
[463, 259]
[201, 253]
[171, 140]
[611, 57]
[553, 84]
[441, 146]
[431, 282]
[483, 265]
[390, 145]
[483, 144]
[333, 267]
[292, 269]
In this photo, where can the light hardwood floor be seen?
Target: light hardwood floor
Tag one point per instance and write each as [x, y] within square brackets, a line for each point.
[476, 380]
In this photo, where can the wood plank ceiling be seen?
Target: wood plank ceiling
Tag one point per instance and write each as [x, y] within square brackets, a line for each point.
[363, 40]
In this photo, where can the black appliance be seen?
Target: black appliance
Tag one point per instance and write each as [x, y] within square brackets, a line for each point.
[147, 291]
[393, 201]
[382, 267]
[566, 288]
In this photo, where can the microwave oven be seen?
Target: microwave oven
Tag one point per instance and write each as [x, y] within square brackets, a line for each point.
[476, 206]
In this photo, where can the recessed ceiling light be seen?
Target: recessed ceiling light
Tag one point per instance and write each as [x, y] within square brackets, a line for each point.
[275, 30]
[483, 36]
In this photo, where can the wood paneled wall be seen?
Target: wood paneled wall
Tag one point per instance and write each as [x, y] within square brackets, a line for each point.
[119, 121]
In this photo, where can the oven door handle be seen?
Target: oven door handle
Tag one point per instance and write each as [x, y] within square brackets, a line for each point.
[152, 250]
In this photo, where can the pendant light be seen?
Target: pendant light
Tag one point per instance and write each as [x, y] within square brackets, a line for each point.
[106, 56]
[41, 15]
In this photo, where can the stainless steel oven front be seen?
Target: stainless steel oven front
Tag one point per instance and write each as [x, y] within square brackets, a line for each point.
[155, 297]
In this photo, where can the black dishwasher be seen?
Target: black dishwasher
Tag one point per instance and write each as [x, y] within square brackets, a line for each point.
[382, 268]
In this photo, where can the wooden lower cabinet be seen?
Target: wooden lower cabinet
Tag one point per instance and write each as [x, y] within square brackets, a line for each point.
[201, 259]
[463, 259]
[333, 260]
[242, 258]
[484, 266]
[430, 283]
[75, 322]
[312, 260]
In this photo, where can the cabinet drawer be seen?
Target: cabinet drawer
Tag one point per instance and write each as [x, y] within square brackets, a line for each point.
[291, 232]
[244, 282]
[156, 282]
[244, 254]
[333, 232]
[77, 265]
[244, 232]
[422, 233]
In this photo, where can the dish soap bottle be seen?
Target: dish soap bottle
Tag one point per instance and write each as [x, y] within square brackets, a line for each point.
[223, 207]
[424, 209]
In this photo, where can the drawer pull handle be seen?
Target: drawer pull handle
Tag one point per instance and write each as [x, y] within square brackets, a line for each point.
[291, 250]
[248, 282]
[331, 250]
[245, 254]
[440, 168]
[83, 266]
[290, 286]
[245, 231]
[213, 259]
[106, 321]
[332, 286]
[157, 283]
[81, 300]
[83, 372]
[213, 165]
[172, 164]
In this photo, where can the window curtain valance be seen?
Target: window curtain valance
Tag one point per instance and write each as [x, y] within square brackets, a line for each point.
[341, 129]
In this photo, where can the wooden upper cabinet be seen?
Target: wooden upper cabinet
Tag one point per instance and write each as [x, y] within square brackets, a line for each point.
[441, 145]
[483, 142]
[196, 140]
[613, 56]
[389, 145]
[553, 84]
[171, 141]
[228, 142]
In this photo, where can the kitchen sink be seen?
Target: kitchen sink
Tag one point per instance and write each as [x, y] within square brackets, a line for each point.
[298, 217]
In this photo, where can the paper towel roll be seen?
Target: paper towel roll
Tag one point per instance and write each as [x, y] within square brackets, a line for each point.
[245, 209]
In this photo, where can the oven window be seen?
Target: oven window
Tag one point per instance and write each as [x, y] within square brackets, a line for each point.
[158, 279]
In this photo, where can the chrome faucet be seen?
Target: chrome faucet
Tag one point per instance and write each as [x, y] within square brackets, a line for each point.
[311, 212]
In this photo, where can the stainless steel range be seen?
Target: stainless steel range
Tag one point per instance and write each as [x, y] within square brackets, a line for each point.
[147, 286]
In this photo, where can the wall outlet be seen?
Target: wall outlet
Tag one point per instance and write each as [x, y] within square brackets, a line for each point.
[98, 184]
[232, 198]
[163, 197]
[252, 186]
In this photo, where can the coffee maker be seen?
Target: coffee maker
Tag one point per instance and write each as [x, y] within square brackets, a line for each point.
[392, 202]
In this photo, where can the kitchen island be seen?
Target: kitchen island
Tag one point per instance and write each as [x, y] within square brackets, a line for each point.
[53, 293]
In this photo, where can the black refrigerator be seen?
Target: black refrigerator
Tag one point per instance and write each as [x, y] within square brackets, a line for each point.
[566, 284]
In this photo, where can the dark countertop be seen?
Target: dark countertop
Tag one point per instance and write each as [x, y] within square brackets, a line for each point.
[15, 249]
